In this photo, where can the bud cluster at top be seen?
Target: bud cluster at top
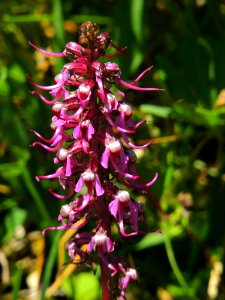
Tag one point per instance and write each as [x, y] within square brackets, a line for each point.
[92, 126]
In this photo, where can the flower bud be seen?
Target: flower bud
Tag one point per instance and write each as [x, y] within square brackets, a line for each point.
[111, 72]
[100, 238]
[56, 108]
[114, 146]
[62, 154]
[123, 196]
[65, 211]
[88, 176]
[126, 109]
[73, 48]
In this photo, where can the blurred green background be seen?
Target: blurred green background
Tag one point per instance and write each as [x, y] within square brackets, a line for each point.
[185, 41]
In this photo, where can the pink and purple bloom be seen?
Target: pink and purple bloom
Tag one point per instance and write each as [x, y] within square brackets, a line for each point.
[92, 127]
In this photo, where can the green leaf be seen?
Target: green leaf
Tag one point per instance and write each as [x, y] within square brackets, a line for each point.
[137, 8]
[11, 170]
[13, 219]
[159, 111]
[155, 239]
[150, 240]
[17, 73]
[86, 286]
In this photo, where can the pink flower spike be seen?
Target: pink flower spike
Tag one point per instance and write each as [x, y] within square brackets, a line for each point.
[92, 126]
[59, 54]
[133, 87]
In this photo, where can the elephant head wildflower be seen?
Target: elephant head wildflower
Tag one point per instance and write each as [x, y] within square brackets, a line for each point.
[92, 127]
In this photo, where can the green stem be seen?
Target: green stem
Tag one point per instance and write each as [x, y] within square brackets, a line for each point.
[57, 18]
[173, 263]
[16, 282]
[49, 265]
[29, 18]
[36, 197]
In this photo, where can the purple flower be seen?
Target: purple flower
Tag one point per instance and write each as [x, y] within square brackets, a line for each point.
[91, 127]
[130, 276]
[101, 242]
[92, 181]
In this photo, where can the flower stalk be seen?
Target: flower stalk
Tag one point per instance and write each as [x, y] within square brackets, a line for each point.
[92, 127]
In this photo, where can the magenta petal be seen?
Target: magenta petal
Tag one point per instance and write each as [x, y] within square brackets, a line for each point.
[42, 138]
[118, 168]
[85, 202]
[107, 263]
[77, 132]
[105, 158]
[46, 147]
[68, 166]
[125, 138]
[133, 87]
[91, 246]
[50, 87]
[109, 245]
[58, 173]
[91, 131]
[59, 54]
[116, 53]
[152, 181]
[124, 282]
[122, 231]
[101, 88]
[140, 123]
[141, 75]
[62, 196]
[72, 117]
[113, 207]
[118, 127]
[79, 184]
[48, 102]
[98, 187]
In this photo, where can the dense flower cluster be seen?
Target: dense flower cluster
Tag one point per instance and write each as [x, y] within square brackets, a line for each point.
[91, 128]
